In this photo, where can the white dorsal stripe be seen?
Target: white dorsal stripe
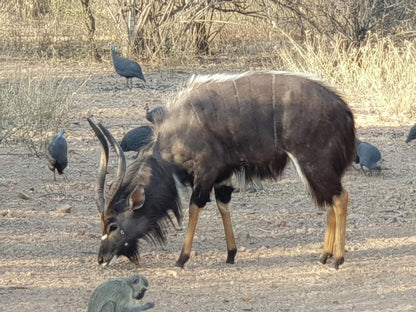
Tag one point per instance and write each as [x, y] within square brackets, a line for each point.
[199, 79]
[195, 80]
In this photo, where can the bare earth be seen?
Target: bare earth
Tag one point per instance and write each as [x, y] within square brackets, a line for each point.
[48, 259]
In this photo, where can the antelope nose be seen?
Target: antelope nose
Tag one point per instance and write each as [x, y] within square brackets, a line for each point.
[100, 259]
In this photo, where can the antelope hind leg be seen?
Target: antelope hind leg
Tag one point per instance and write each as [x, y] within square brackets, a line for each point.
[329, 236]
[334, 244]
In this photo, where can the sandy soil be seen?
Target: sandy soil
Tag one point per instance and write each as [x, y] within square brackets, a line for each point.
[48, 259]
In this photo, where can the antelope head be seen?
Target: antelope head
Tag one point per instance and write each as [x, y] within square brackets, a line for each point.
[123, 221]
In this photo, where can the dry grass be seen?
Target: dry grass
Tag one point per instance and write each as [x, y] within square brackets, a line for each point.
[378, 77]
[32, 107]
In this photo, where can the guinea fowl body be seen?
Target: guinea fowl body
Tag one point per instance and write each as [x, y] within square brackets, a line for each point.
[412, 134]
[57, 154]
[125, 67]
[368, 156]
[136, 138]
[155, 115]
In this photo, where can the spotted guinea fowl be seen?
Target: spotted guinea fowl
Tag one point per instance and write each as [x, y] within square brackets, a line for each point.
[412, 134]
[125, 67]
[155, 115]
[57, 154]
[136, 138]
[368, 156]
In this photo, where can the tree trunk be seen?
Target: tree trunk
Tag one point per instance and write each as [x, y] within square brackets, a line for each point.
[90, 23]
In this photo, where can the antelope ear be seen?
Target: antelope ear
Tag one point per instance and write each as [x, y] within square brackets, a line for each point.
[136, 198]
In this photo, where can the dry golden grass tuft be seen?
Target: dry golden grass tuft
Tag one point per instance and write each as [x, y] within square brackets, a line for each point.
[34, 106]
[378, 78]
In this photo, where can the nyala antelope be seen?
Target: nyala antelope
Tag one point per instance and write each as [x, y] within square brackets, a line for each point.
[217, 125]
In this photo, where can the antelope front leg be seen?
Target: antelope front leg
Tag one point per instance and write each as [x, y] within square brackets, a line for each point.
[223, 198]
[336, 229]
[198, 201]
[228, 229]
[190, 233]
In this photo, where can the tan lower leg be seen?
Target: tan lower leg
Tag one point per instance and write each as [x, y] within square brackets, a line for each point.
[341, 209]
[190, 233]
[329, 236]
[228, 229]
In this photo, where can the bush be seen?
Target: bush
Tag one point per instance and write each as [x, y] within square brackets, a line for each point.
[379, 75]
[32, 108]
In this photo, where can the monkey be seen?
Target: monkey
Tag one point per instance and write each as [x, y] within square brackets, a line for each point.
[118, 295]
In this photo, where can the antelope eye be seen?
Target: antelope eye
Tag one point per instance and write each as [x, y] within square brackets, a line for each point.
[112, 227]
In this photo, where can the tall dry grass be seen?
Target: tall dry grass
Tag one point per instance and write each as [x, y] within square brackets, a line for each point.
[379, 76]
[32, 107]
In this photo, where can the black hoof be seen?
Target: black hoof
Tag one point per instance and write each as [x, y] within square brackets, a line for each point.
[338, 262]
[324, 257]
[181, 261]
[231, 256]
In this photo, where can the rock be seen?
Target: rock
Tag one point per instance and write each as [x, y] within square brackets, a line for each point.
[246, 298]
[11, 214]
[80, 233]
[300, 231]
[8, 213]
[23, 196]
[172, 273]
[64, 208]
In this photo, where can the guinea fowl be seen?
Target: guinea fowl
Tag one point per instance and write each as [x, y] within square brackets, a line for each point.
[412, 134]
[125, 67]
[155, 115]
[57, 154]
[368, 156]
[136, 138]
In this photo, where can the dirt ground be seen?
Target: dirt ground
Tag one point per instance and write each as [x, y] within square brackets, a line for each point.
[48, 259]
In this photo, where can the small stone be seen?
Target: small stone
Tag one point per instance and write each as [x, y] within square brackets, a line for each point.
[282, 224]
[172, 273]
[23, 196]
[242, 249]
[10, 214]
[64, 208]
[246, 298]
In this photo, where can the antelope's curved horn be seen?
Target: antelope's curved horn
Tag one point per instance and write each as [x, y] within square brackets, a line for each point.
[121, 170]
[102, 169]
